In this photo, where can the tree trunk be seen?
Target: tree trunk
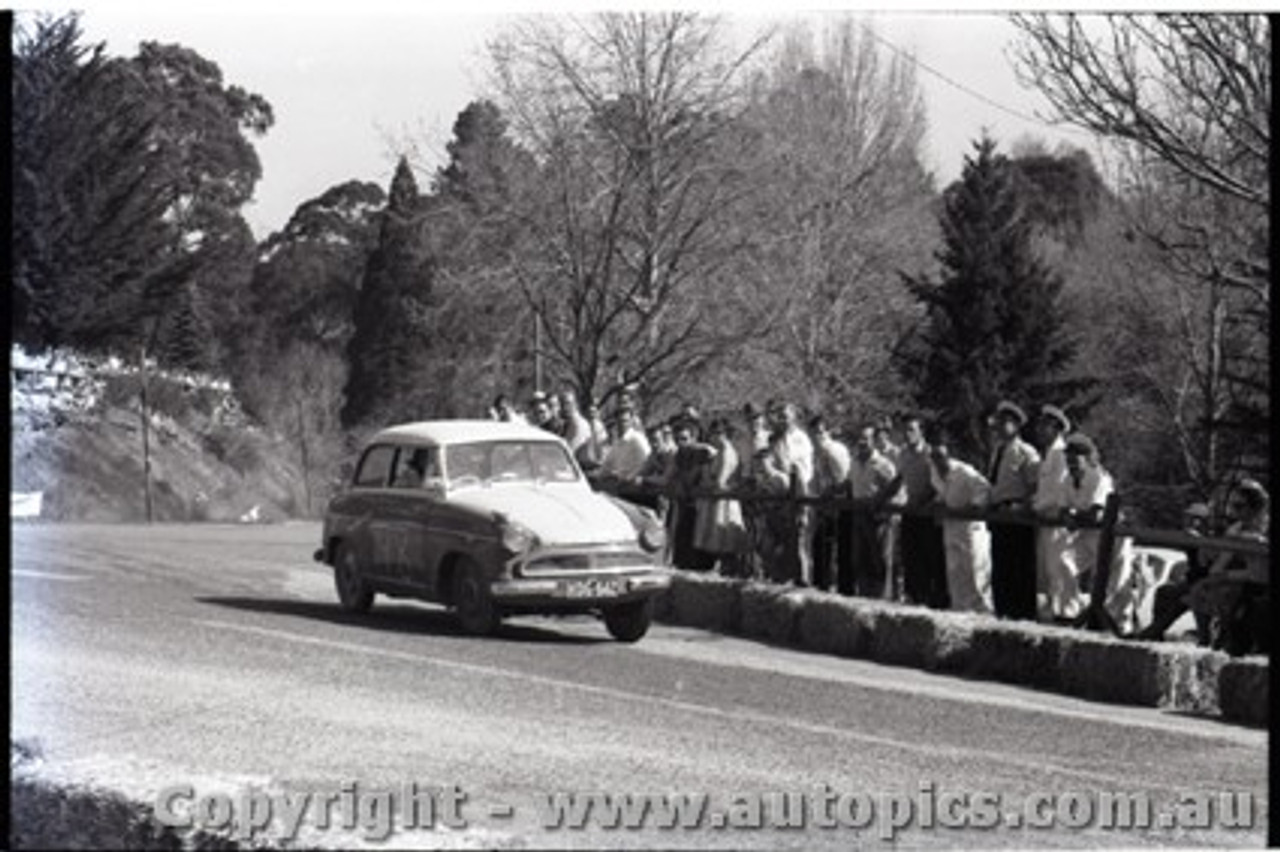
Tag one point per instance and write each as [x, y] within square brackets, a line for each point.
[306, 455]
[145, 413]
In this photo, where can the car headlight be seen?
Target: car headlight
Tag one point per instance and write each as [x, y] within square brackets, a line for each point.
[515, 536]
[653, 538]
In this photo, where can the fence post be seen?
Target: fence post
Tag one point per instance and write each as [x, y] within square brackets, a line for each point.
[1096, 617]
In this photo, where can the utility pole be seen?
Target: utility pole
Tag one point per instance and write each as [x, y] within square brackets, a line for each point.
[537, 350]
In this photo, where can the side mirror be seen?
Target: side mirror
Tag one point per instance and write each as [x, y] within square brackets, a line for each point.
[434, 486]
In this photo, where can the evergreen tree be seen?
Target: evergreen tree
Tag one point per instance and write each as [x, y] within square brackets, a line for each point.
[993, 327]
[390, 313]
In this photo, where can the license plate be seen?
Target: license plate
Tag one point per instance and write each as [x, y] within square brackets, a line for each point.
[594, 588]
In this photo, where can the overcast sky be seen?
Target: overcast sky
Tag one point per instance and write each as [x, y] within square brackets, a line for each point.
[351, 83]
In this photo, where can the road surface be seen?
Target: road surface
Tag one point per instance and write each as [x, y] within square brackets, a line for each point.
[213, 661]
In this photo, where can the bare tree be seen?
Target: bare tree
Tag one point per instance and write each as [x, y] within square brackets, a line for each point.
[1188, 99]
[845, 204]
[624, 219]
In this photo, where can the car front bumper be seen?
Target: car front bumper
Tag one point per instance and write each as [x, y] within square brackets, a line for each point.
[589, 591]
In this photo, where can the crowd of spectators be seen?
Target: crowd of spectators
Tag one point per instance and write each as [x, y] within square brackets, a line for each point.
[883, 536]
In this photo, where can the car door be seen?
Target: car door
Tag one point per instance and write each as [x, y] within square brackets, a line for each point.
[415, 479]
[367, 508]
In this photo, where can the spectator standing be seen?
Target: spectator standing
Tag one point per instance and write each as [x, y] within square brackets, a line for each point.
[1087, 488]
[504, 411]
[625, 458]
[797, 459]
[921, 543]
[891, 449]
[597, 436]
[752, 443]
[719, 530]
[543, 415]
[967, 543]
[779, 533]
[831, 463]
[575, 429]
[1014, 472]
[1058, 595]
[873, 480]
[687, 474]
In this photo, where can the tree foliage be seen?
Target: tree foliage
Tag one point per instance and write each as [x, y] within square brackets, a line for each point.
[993, 325]
[129, 174]
[386, 342]
[1188, 99]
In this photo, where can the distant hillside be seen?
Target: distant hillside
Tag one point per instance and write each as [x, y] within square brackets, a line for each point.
[77, 438]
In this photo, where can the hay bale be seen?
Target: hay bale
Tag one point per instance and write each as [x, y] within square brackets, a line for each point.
[1111, 670]
[1188, 678]
[905, 637]
[707, 601]
[1243, 690]
[771, 612]
[1015, 653]
[831, 624]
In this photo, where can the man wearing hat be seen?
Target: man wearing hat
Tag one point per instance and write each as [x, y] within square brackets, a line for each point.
[1057, 587]
[1014, 472]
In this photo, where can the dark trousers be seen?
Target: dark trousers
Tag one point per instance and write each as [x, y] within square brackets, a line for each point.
[924, 562]
[868, 555]
[1013, 570]
[825, 547]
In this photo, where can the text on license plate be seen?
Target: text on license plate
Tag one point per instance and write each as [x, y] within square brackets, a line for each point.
[610, 588]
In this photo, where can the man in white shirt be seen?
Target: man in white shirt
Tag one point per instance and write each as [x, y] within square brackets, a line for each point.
[627, 455]
[1057, 587]
[831, 473]
[967, 543]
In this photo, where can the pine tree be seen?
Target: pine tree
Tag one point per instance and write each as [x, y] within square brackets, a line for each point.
[387, 342]
[993, 327]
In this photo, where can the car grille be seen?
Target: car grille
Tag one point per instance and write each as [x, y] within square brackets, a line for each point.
[570, 562]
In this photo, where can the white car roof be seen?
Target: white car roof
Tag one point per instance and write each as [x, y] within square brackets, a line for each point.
[444, 432]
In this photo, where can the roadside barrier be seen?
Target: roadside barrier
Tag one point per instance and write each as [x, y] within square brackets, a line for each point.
[1087, 663]
[1172, 676]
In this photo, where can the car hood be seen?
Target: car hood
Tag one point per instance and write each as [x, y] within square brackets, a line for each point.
[556, 514]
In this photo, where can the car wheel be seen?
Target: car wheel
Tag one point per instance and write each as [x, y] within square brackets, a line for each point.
[471, 600]
[629, 622]
[354, 593]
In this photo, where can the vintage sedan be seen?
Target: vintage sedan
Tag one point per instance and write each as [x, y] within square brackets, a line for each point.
[490, 519]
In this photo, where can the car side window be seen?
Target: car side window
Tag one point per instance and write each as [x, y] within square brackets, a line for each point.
[374, 467]
[414, 465]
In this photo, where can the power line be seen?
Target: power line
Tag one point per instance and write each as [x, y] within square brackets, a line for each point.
[913, 59]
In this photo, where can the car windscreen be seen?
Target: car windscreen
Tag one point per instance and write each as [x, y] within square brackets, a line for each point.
[508, 461]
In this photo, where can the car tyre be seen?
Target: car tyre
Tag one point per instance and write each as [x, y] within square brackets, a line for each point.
[629, 622]
[472, 602]
[354, 594]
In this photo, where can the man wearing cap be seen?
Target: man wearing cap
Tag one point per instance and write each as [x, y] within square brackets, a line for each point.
[1057, 585]
[1013, 474]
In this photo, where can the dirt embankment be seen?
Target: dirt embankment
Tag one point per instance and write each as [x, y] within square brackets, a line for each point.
[208, 462]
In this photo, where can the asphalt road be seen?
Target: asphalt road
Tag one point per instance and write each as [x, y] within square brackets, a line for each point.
[145, 658]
